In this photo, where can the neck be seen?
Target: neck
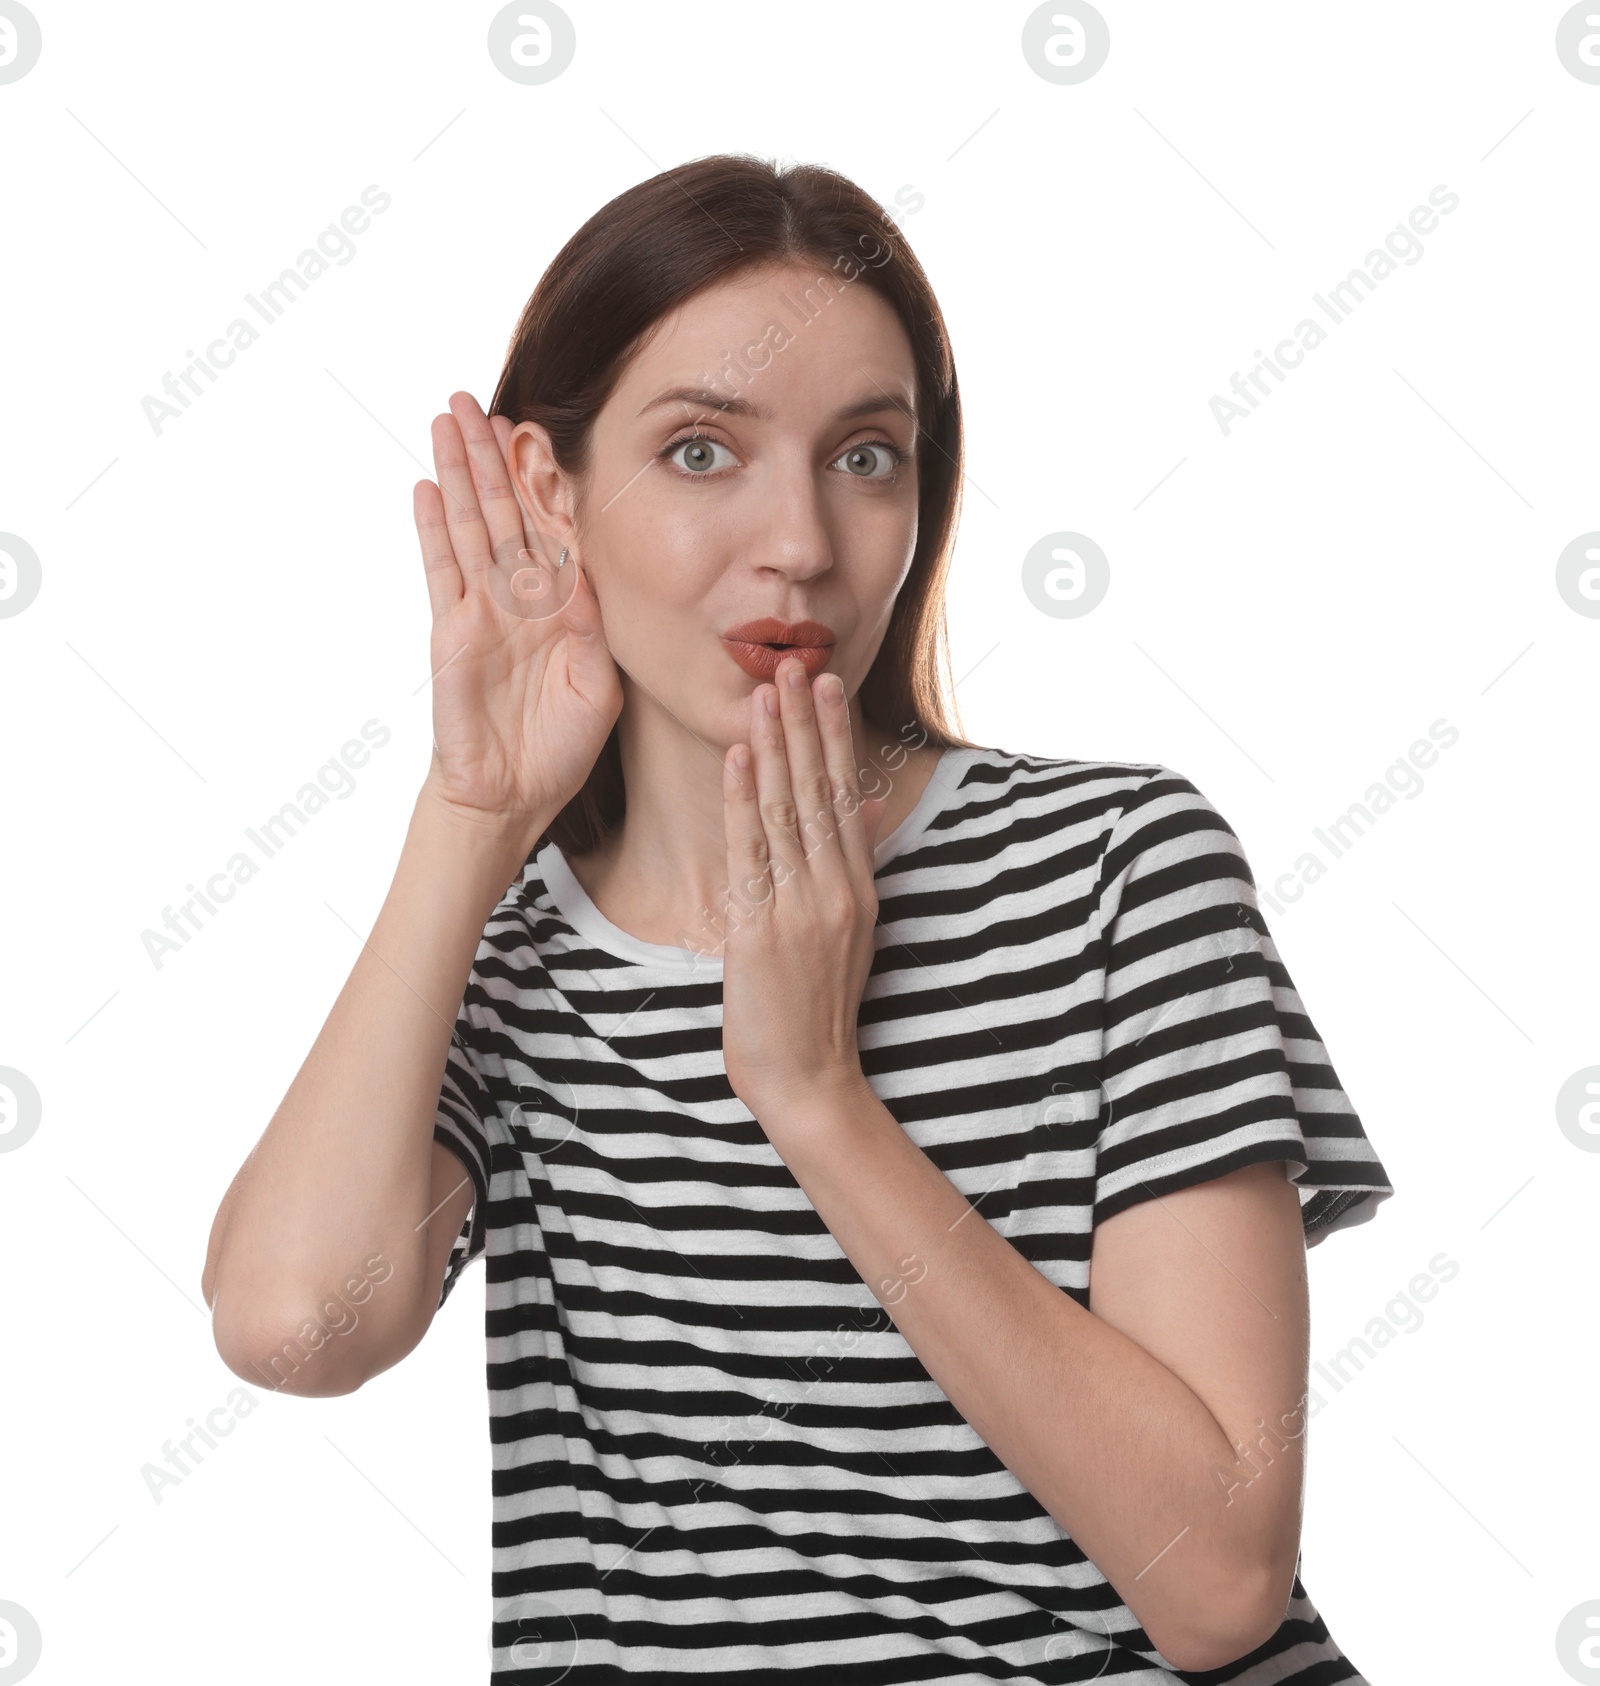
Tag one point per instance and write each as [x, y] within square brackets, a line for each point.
[662, 875]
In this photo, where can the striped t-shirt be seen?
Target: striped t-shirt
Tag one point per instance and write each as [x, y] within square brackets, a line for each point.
[713, 1452]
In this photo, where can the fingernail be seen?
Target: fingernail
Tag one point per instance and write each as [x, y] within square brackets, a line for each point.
[833, 687]
[769, 697]
[797, 674]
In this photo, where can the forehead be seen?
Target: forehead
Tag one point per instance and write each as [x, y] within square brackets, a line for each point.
[796, 332]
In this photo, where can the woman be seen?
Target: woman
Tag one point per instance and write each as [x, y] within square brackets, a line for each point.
[893, 1158]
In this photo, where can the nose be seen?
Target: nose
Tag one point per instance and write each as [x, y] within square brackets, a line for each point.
[792, 536]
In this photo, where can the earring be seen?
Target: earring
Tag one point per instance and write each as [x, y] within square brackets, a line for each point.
[561, 560]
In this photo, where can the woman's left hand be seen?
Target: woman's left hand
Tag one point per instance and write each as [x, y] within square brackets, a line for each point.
[802, 905]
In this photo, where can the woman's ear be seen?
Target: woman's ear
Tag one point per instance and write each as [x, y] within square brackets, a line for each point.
[543, 492]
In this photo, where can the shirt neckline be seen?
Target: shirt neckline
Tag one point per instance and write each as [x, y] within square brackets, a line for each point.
[572, 901]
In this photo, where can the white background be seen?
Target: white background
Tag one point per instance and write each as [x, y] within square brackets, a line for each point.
[1290, 606]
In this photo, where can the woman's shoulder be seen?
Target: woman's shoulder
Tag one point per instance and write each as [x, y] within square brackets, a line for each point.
[1074, 809]
[1024, 809]
[1015, 776]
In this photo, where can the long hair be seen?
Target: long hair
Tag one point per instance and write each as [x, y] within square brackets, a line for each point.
[646, 252]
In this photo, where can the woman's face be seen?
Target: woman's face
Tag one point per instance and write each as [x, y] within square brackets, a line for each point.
[787, 489]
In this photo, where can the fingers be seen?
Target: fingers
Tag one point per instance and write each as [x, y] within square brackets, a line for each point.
[795, 776]
[471, 519]
[856, 822]
[504, 427]
[797, 805]
[774, 797]
[445, 586]
[748, 883]
[808, 753]
[480, 510]
[491, 477]
[469, 537]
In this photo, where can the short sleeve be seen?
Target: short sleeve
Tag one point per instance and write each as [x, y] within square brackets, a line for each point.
[1209, 1059]
[463, 1106]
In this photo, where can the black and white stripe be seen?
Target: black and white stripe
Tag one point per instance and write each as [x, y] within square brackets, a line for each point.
[714, 1453]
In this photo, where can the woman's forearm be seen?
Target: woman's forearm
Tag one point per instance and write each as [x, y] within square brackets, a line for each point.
[1118, 1448]
[342, 1171]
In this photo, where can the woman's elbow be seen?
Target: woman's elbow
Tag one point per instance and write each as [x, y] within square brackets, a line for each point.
[1231, 1628]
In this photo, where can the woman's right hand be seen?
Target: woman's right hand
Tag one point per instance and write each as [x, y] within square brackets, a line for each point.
[525, 691]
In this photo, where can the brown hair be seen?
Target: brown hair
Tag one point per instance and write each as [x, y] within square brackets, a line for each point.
[644, 254]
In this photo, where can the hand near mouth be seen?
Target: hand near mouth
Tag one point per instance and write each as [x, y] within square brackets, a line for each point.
[802, 904]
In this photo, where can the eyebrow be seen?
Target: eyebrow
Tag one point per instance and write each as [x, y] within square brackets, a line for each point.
[705, 399]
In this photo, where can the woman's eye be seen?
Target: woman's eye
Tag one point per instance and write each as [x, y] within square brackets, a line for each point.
[697, 459]
[694, 458]
[875, 460]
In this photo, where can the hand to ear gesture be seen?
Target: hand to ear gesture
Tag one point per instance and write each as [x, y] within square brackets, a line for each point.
[525, 691]
[802, 904]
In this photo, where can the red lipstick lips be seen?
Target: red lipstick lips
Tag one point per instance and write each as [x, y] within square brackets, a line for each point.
[758, 646]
